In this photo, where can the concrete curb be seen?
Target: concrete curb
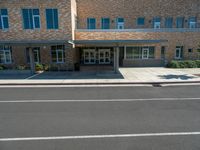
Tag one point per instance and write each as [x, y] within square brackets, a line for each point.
[102, 83]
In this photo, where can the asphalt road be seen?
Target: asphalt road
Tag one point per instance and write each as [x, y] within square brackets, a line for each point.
[100, 118]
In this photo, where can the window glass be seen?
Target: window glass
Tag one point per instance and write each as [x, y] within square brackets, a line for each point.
[105, 23]
[169, 22]
[4, 12]
[31, 18]
[151, 52]
[4, 19]
[192, 22]
[58, 54]
[180, 22]
[91, 23]
[5, 54]
[52, 18]
[140, 21]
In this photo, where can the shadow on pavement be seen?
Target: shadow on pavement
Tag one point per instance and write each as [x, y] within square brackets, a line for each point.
[181, 77]
[77, 75]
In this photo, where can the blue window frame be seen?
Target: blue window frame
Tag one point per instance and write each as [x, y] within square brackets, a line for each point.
[180, 22]
[31, 18]
[140, 21]
[52, 18]
[91, 23]
[169, 22]
[4, 24]
[105, 23]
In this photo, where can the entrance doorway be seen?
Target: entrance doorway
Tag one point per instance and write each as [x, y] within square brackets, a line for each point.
[104, 56]
[89, 56]
[145, 53]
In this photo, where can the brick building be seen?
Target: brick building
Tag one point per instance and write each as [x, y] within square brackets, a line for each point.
[110, 33]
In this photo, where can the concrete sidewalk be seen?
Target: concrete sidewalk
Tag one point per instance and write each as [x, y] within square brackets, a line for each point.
[125, 76]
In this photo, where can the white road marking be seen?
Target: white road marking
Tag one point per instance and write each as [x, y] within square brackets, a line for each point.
[32, 76]
[99, 100]
[60, 86]
[99, 136]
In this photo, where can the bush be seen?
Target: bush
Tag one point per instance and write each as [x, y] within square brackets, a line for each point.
[173, 64]
[39, 67]
[184, 64]
[1, 68]
[21, 67]
[198, 63]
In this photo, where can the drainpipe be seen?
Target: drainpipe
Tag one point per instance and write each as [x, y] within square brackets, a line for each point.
[32, 63]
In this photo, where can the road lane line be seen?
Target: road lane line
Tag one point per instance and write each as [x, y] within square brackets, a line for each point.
[32, 76]
[99, 100]
[100, 136]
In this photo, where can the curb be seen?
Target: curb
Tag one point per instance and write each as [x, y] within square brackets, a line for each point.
[102, 83]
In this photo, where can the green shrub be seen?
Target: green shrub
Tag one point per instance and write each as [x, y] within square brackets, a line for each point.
[1, 68]
[174, 64]
[198, 63]
[39, 67]
[184, 64]
[21, 67]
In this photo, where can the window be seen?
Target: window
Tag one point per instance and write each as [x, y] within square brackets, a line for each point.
[163, 52]
[4, 19]
[36, 55]
[179, 52]
[31, 18]
[168, 22]
[91, 23]
[140, 21]
[5, 54]
[190, 50]
[105, 23]
[120, 23]
[156, 23]
[58, 54]
[192, 22]
[180, 22]
[140, 52]
[52, 18]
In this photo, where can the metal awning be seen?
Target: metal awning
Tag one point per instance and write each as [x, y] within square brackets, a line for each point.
[34, 42]
[114, 42]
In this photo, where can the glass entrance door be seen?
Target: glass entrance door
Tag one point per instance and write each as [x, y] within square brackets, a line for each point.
[89, 56]
[145, 53]
[104, 56]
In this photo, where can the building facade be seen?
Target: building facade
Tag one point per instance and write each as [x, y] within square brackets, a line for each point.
[107, 34]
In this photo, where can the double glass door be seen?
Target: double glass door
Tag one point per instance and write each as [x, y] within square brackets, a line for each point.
[89, 56]
[104, 56]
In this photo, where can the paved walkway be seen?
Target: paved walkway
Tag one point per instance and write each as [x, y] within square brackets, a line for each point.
[127, 75]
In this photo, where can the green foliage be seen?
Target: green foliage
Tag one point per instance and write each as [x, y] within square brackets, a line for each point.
[198, 63]
[184, 64]
[39, 67]
[21, 67]
[1, 68]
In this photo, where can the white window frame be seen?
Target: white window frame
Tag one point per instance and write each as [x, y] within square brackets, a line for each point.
[179, 53]
[192, 24]
[157, 25]
[120, 24]
[104, 58]
[145, 49]
[2, 22]
[38, 56]
[4, 56]
[89, 51]
[57, 59]
[36, 16]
